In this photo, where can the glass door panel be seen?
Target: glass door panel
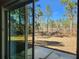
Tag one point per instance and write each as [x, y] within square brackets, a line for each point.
[16, 35]
[20, 33]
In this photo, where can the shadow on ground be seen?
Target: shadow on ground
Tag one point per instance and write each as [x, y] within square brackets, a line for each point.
[50, 43]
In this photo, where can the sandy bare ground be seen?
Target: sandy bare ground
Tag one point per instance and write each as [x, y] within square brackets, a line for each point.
[68, 44]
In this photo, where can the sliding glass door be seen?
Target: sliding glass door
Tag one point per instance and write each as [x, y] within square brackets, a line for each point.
[19, 32]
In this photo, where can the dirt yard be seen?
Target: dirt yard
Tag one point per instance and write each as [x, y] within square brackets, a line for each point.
[68, 44]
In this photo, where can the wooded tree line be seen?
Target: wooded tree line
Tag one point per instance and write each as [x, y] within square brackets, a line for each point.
[61, 24]
[65, 25]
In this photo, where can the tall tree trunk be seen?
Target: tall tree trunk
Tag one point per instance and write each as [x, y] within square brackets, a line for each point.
[47, 25]
[26, 31]
[71, 22]
[70, 25]
[38, 25]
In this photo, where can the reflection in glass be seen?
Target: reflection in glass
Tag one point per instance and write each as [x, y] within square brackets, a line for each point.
[20, 33]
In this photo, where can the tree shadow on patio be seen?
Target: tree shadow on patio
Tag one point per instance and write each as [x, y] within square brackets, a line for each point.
[54, 43]
[48, 43]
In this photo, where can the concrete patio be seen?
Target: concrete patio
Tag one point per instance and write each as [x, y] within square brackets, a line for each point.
[45, 53]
